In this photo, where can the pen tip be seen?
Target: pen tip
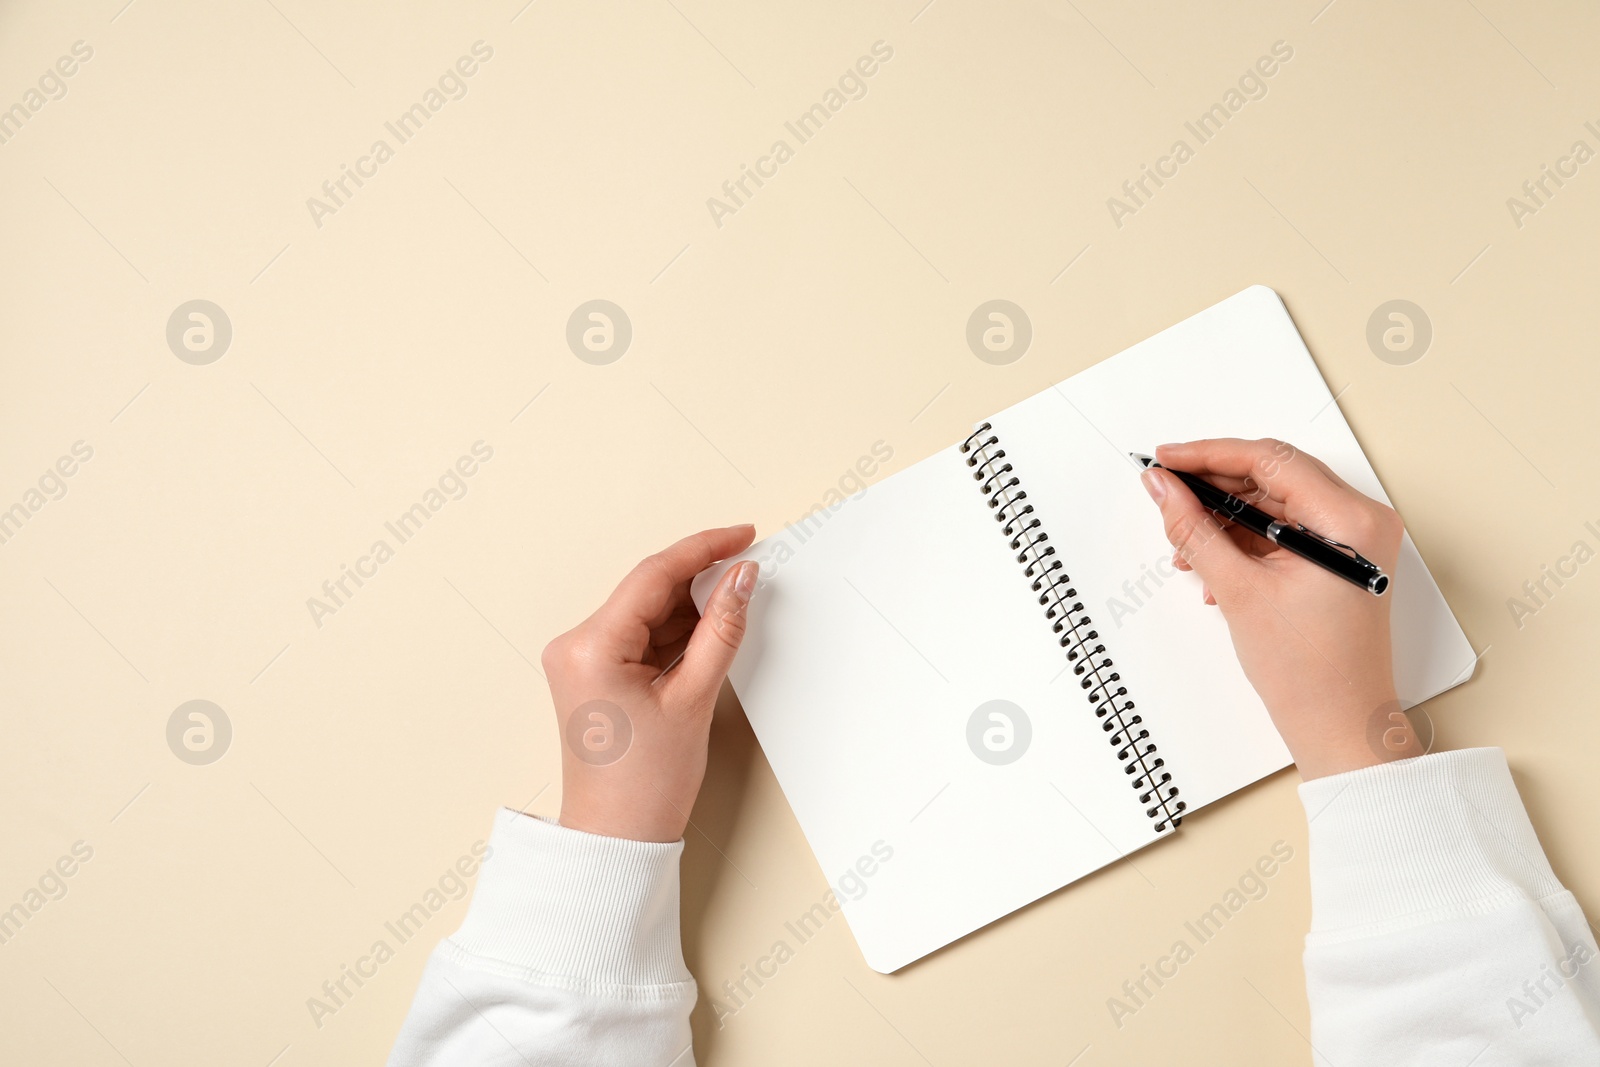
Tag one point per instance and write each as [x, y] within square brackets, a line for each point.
[1141, 459]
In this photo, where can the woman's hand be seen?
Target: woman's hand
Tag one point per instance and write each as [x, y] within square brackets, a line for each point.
[634, 718]
[1315, 647]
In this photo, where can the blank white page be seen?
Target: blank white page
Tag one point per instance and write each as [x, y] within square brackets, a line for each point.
[1237, 369]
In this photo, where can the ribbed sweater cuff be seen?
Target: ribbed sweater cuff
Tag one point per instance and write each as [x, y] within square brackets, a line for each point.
[1417, 841]
[576, 907]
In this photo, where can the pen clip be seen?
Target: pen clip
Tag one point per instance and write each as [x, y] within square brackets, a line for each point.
[1359, 558]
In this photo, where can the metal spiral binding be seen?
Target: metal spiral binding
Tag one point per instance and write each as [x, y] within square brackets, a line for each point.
[1003, 492]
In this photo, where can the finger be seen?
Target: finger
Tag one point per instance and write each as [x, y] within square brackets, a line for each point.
[1308, 492]
[647, 595]
[660, 653]
[1196, 534]
[676, 628]
[1248, 491]
[718, 636]
[1332, 477]
[1251, 544]
[1283, 472]
[1243, 488]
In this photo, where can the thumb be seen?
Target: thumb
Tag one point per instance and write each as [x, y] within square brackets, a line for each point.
[1196, 534]
[719, 632]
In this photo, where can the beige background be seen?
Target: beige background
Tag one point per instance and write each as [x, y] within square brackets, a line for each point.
[768, 355]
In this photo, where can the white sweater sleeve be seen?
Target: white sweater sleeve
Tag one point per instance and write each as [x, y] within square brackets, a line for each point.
[1439, 935]
[569, 955]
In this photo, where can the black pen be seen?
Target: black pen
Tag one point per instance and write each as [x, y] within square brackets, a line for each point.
[1325, 552]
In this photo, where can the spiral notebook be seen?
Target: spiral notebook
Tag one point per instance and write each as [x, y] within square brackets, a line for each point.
[981, 679]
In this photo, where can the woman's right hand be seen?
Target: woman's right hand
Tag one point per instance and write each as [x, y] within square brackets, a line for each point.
[1315, 647]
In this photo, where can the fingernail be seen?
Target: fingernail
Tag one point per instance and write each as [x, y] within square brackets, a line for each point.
[744, 526]
[1154, 485]
[744, 583]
